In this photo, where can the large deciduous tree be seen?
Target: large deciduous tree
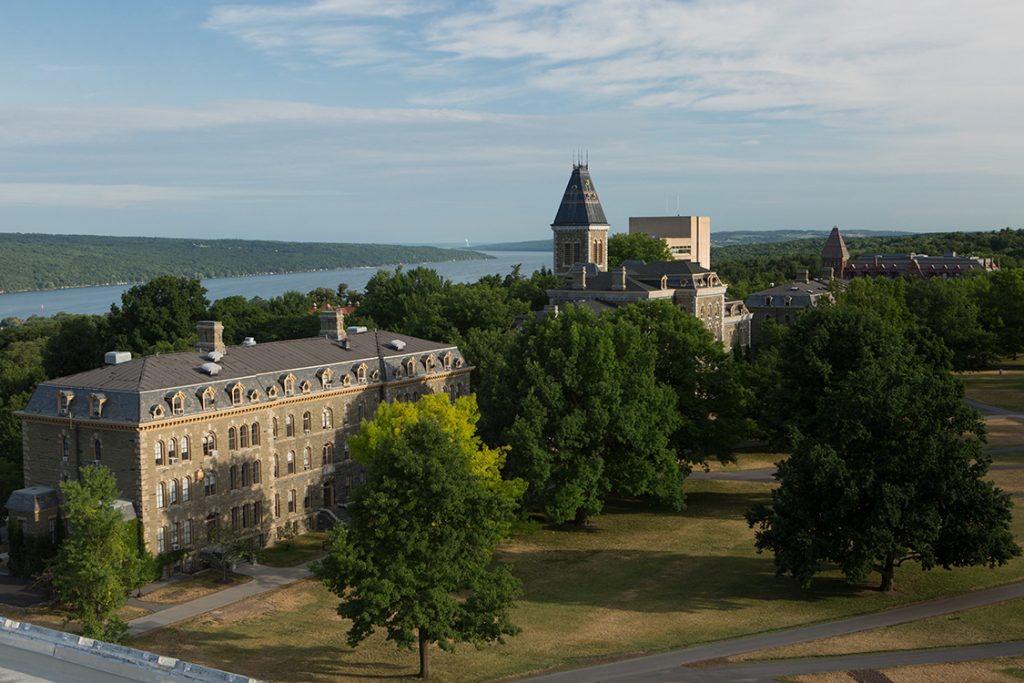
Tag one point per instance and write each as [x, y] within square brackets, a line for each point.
[417, 557]
[159, 316]
[636, 246]
[99, 562]
[887, 465]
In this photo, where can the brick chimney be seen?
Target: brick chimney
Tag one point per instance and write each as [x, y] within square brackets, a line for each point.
[211, 336]
[332, 324]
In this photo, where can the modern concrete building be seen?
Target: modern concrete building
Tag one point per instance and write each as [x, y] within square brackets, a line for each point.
[687, 237]
[252, 436]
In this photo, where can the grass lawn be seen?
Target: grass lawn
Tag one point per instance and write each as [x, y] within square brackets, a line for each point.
[203, 583]
[747, 460]
[1003, 391]
[633, 581]
[1004, 432]
[302, 549]
[55, 619]
[992, 624]
[991, 671]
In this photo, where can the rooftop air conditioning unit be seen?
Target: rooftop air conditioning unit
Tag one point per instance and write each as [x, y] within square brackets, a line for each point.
[215, 356]
[210, 368]
[117, 357]
[249, 341]
[397, 344]
[356, 329]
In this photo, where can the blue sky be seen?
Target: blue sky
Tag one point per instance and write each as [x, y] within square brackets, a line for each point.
[439, 121]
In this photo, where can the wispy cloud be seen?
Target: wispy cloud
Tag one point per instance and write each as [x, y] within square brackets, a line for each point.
[111, 196]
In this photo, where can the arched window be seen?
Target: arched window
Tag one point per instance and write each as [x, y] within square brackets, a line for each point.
[233, 477]
[160, 489]
[361, 374]
[328, 454]
[291, 462]
[186, 490]
[161, 539]
[209, 398]
[448, 361]
[184, 448]
[158, 452]
[232, 439]
[178, 404]
[410, 367]
[97, 450]
[210, 483]
[307, 422]
[209, 443]
[306, 458]
[257, 474]
[172, 451]
[254, 431]
[246, 474]
[173, 490]
[291, 501]
[327, 419]
[273, 427]
[289, 426]
[277, 505]
[237, 392]
[277, 466]
[430, 363]
[327, 377]
[243, 437]
[289, 385]
[65, 447]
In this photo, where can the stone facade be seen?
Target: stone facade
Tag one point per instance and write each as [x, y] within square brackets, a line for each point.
[580, 227]
[259, 445]
[782, 303]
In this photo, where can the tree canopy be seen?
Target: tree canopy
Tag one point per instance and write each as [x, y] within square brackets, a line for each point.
[417, 557]
[636, 246]
[887, 465]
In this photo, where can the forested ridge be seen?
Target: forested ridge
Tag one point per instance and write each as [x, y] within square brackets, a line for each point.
[31, 261]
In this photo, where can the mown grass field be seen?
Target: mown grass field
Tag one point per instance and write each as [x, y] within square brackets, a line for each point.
[302, 549]
[203, 583]
[1003, 391]
[633, 581]
[992, 671]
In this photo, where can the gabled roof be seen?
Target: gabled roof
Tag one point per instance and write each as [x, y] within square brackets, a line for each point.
[580, 203]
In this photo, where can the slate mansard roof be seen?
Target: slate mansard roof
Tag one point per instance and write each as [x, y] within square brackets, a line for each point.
[580, 204]
[132, 391]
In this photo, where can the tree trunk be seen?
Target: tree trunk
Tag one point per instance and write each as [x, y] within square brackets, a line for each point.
[888, 577]
[424, 663]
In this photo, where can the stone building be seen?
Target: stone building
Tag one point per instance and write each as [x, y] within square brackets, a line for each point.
[252, 436]
[836, 262]
[781, 303]
[688, 238]
[686, 283]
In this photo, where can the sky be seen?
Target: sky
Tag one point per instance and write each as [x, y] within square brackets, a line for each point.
[433, 121]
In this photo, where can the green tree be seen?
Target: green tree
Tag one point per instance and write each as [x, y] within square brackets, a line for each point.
[99, 563]
[948, 309]
[576, 398]
[159, 316]
[1005, 306]
[887, 465]
[407, 301]
[78, 346]
[417, 557]
[636, 246]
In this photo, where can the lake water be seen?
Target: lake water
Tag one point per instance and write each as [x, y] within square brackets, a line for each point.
[99, 299]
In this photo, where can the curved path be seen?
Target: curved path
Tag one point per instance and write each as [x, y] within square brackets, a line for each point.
[666, 666]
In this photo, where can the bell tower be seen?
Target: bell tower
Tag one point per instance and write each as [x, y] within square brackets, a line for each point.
[580, 227]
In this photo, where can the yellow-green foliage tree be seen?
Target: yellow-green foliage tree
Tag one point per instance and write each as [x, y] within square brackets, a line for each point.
[458, 420]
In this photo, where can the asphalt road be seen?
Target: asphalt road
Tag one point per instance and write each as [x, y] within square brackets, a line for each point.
[666, 666]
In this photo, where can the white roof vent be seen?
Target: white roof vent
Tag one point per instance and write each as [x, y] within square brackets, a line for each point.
[356, 329]
[117, 357]
[210, 368]
[249, 341]
[215, 356]
[397, 344]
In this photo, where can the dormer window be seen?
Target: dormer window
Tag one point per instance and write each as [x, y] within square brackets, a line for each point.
[305, 387]
[209, 398]
[288, 383]
[398, 372]
[410, 367]
[96, 402]
[237, 393]
[447, 361]
[430, 363]
[254, 396]
[346, 381]
[459, 362]
[178, 403]
[64, 399]
[272, 392]
[327, 377]
[767, 301]
[361, 373]
[375, 376]
[157, 412]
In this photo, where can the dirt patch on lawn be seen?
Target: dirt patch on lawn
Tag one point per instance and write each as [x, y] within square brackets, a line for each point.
[287, 599]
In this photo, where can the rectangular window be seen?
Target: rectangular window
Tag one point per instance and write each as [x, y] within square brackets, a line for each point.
[186, 532]
[246, 516]
[307, 501]
[161, 544]
[174, 534]
[235, 518]
[257, 513]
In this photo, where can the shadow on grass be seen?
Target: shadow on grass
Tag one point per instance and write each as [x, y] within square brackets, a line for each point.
[233, 652]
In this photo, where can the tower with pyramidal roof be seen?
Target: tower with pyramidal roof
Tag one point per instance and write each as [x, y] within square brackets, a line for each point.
[580, 227]
[834, 256]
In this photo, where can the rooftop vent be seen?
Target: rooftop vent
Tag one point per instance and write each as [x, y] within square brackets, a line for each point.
[397, 344]
[356, 329]
[215, 356]
[249, 341]
[117, 357]
[210, 368]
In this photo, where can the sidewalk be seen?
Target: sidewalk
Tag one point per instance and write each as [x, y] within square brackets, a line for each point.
[264, 579]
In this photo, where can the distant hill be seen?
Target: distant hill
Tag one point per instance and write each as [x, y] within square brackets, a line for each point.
[37, 261]
[726, 238]
[532, 245]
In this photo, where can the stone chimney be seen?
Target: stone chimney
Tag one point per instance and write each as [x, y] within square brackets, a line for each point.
[211, 336]
[332, 324]
[805, 276]
[578, 277]
[619, 280]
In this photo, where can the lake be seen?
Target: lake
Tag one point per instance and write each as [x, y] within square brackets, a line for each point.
[99, 299]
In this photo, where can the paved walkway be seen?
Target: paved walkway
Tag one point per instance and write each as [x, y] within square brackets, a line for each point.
[264, 579]
[994, 411]
[667, 666]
